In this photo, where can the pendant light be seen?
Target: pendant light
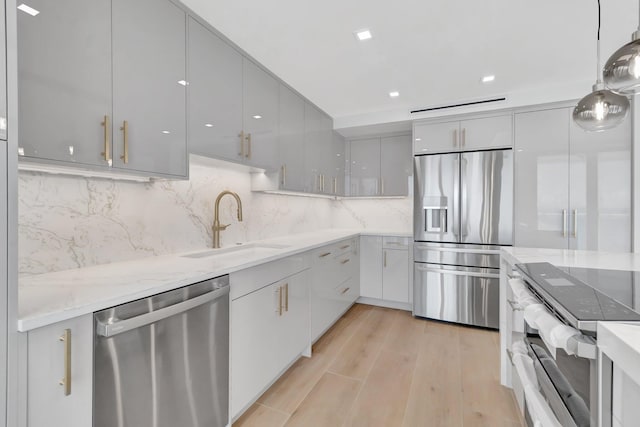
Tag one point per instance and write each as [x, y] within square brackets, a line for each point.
[622, 70]
[601, 109]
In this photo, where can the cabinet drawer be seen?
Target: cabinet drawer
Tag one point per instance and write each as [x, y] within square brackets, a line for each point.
[395, 242]
[254, 278]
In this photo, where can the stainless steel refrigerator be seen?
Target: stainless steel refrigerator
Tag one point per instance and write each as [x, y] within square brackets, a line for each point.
[463, 213]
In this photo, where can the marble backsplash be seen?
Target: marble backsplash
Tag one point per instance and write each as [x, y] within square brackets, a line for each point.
[70, 222]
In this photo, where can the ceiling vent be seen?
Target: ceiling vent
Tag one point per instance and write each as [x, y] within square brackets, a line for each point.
[461, 104]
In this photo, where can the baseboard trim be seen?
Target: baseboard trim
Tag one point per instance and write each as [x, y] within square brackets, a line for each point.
[384, 303]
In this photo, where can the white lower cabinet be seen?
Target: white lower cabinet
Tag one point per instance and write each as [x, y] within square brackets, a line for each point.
[60, 374]
[625, 398]
[335, 283]
[269, 330]
[395, 275]
[385, 269]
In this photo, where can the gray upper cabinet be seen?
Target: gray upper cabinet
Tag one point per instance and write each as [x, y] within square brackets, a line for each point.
[260, 118]
[572, 188]
[64, 81]
[291, 140]
[380, 166]
[215, 95]
[313, 148]
[149, 86]
[339, 163]
[365, 167]
[102, 84]
[396, 165]
[472, 134]
[3, 77]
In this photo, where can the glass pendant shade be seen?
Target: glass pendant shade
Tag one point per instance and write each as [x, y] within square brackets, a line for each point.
[602, 109]
[622, 71]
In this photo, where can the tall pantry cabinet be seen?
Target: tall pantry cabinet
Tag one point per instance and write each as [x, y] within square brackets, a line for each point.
[573, 188]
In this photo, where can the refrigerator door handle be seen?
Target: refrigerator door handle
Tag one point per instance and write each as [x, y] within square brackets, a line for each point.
[463, 199]
[456, 200]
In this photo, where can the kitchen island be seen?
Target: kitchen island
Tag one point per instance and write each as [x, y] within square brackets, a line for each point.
[609, 375]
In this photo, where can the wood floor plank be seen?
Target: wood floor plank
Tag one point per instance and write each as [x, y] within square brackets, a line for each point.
[405, 334]
[359, 354]
[337, 336]
[478, 419]
[328, 403]
[261, 416]
[292, 387]
[484, 398]
[442, 328]
[435, 396]
[383, 398]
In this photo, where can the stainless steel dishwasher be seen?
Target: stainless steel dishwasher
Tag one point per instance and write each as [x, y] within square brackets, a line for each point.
[163, 361]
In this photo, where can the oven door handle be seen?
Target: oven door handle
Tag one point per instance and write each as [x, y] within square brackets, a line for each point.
[556, 334]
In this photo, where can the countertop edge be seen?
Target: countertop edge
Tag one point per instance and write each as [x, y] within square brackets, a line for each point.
[36, 319]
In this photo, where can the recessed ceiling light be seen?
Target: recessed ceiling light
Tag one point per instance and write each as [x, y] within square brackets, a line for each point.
[363, 34]
[488, 79]
[166, 132]
[20, 151]
[394, 94]
[183, 82]
[28, 9]
[257, 116]
[209, 125]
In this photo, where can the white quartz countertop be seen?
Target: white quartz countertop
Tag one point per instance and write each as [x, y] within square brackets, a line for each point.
[48, 298]
[573, 258]
[621, 343]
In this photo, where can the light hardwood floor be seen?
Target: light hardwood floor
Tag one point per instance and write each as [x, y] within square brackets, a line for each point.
[382, 367]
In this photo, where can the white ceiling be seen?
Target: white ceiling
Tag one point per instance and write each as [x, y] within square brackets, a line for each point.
[433, 52]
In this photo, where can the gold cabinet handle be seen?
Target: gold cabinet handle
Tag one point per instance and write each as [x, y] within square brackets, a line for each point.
[324, 255]
[241, 136]
[564, 223]
[464, 137]
[344, 291]
[345, 246]
[335, 185]
[344, 261]
[279, 310]
[575, 223]
[382, 186]
[385, 259]
[283, 170]
[125, 136]
[107, 146]
[248, 138]
[66, 380]
[455, 137]
[286, 297]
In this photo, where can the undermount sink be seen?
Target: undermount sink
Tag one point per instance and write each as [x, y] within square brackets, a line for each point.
[245, 250]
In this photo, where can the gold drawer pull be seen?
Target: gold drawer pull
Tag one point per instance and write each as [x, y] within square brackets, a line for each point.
[66, 381]
[286, 297]
[279, 310]
[345, 246]
[344, 291]
[241, 136]
[248, 138]
[107, 147]
[324, 255]
[345, 261]
[125, 133]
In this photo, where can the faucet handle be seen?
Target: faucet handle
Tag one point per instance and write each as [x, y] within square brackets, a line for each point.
[221, 227]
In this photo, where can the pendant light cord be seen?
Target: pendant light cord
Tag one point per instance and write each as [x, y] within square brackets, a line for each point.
[598, 78]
